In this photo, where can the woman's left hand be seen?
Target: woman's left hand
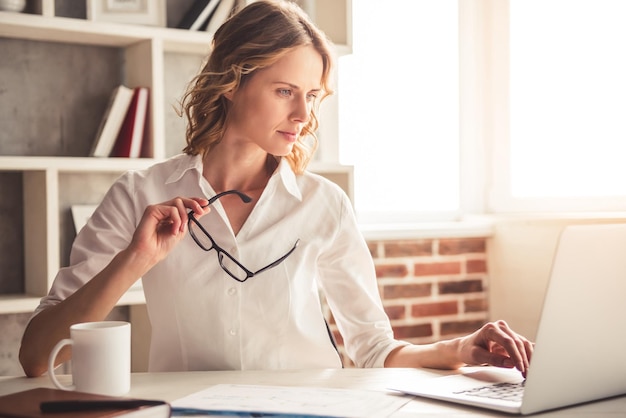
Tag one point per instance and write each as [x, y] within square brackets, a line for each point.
[496, 344]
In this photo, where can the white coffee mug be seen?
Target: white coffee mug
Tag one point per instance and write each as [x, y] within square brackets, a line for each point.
[100, 358]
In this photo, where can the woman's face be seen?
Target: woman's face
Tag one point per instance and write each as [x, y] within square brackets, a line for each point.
[271, 108]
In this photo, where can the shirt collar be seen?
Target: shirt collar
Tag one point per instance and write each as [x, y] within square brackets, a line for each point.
[288, 178]
[187, 163]
[184, 164]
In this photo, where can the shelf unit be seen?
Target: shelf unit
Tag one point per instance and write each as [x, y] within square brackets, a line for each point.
[163, 59]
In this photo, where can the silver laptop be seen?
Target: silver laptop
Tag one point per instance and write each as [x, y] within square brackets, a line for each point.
[579, 348]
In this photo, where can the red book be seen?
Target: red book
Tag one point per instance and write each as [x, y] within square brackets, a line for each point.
[112, 121]
[130, 138]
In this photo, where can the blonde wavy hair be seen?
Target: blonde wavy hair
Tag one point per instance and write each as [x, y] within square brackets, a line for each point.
[254, 38]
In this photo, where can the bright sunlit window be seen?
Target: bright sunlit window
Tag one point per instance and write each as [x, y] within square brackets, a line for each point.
[399, 109]
[567, 98]
[544, 100]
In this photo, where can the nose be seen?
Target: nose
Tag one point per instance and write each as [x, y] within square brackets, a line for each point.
[302, 109]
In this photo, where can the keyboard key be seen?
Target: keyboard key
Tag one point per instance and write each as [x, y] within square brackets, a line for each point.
[504, 391]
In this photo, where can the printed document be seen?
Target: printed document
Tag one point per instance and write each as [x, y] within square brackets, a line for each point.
[303, 401]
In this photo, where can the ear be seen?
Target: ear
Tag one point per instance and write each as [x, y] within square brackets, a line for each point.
[229, 95]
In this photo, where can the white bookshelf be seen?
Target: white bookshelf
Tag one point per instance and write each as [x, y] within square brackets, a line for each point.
[145, 52]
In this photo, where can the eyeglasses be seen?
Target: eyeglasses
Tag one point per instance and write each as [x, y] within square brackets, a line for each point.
[229, 264]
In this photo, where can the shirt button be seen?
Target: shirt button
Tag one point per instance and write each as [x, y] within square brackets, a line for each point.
[232, 332]
[232, 291]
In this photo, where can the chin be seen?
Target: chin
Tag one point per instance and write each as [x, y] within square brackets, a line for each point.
[283, 152]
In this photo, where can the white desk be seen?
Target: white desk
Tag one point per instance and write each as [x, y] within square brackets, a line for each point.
[171, 386]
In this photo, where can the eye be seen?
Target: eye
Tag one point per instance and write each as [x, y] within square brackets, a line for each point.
[284, 92]
[311, 97]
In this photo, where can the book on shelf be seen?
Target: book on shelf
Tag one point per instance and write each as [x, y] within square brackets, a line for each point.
[221, 14]
[46, 402]
[132, 132]
[198, 14]
[111, 122]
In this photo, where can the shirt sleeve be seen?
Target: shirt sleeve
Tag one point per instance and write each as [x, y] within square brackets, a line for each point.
[106, 233]
[348, 280]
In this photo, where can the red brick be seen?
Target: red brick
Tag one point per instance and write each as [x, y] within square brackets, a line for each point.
[434, 309]
[408, 248]
[391, 270]
[462, 246]
[412, 331]
[396, 312]
[460, 327]
[373, 247]
[464, 286]
[397, 291]
[476, 266]
[437, 268]
[476, 305]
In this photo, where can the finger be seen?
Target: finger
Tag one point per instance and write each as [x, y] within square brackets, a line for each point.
[498, 347]
[199, 206]
[173, 213]
[181, 204]
[169, 217]
[514, 345]
[492, 358]
[525, 355]
[530, 347]
[184, 205]
[524, 346]
[506, 359]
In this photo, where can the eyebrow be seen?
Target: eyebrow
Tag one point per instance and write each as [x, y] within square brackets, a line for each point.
[295, 87]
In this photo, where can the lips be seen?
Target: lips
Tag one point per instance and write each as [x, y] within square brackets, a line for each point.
[290, 136]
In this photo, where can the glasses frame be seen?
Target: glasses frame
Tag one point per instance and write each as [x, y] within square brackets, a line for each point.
[221, 253]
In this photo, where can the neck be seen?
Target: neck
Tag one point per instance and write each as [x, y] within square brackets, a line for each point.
[243, 174]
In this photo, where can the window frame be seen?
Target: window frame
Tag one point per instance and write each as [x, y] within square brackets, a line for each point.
[329, 151]
[484, 123]
[500, 198]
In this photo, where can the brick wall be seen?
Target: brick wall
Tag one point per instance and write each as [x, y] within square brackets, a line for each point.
[432, 289]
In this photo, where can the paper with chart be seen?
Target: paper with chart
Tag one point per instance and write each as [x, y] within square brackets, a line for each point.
[306, 401]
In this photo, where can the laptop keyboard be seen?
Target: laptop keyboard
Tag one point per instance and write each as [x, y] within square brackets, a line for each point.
[504, 391]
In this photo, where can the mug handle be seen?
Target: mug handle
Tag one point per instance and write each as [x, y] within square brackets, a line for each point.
[52, 358]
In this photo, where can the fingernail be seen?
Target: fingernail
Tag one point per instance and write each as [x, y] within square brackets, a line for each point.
[507, 362]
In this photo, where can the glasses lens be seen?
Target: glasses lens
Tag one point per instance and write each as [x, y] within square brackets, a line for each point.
[199, 236]
[231, 266]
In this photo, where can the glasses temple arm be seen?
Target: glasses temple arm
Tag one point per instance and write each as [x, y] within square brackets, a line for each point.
[244, 197]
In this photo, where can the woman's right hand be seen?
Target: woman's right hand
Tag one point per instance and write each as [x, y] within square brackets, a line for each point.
[163, 225]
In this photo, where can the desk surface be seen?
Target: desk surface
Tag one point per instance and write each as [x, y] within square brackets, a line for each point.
[172, 386]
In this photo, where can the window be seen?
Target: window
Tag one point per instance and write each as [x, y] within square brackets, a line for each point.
[449, 107]
[399, 109]
[567, 101]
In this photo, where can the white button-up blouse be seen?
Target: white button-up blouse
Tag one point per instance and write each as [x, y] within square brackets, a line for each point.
[202, 319]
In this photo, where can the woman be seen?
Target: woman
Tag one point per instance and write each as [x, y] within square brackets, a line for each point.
[240, 291]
